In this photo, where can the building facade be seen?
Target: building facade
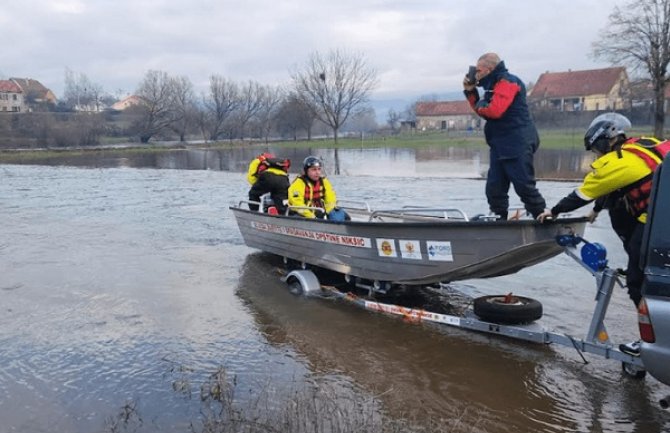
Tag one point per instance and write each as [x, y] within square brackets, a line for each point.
[590, 90]
[11, 97]
[446, 115]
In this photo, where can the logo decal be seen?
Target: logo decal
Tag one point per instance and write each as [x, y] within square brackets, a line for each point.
[410, 249]
[386, 248]
[440, 251]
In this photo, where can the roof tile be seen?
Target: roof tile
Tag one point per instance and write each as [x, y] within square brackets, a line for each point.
[576, 83]
[443, 108]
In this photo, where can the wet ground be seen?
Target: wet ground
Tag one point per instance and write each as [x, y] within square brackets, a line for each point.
[123, 291]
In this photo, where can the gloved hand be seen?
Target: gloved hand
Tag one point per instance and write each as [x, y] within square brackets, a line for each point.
[319, 214]
[482, 103]
[468, 85]
[545, 215]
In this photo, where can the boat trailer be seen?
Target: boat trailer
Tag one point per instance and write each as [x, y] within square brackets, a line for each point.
[591, 256]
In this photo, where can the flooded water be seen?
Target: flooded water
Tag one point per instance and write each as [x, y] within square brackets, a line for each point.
[124, 291]
[442, 161]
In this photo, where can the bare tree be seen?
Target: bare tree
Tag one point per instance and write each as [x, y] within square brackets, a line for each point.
[336, 86]
[409, 113]
[184, 106]
[392, 119]
[251, 99]
[295, 115]
[269, 107]
[157, 113]
[220, 104]
[364, 121]
[82, 94]
[639, 34]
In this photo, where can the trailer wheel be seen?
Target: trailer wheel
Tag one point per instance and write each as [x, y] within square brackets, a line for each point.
[295, 288]
[633, 371]
[507, 309]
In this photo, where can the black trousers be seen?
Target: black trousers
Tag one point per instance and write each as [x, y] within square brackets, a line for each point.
[634, 271]
[521, 174]
[277, 185]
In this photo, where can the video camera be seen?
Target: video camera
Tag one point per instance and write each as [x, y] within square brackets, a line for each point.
[472, 75]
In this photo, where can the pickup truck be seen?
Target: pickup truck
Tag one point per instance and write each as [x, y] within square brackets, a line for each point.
[654, 309]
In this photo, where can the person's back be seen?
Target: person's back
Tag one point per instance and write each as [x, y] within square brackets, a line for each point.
[256, 166]
[270, 176]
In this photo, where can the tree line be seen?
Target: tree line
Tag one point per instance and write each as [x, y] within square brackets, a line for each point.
[329, 91]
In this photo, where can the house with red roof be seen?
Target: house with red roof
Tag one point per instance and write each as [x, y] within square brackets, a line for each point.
[34, 92]
[11, 97]
[590, 90]
[446, 115]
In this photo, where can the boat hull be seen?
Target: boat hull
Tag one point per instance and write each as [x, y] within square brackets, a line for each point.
[410, 253]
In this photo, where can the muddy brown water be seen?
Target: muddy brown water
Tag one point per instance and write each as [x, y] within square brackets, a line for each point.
[127, 288]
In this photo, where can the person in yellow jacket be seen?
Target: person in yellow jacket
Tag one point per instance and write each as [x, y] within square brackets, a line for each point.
[255, 167]
[312, 189]
[268, 174]
[625, 167]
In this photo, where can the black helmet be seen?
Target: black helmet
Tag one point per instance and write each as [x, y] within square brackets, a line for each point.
[603, 128]
[311, 161]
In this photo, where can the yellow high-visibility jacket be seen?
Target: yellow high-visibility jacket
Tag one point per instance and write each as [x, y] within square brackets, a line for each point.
[304, 192]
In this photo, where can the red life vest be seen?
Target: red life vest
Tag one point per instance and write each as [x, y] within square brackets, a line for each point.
[637, 194]
[315, 194]
[268, 160]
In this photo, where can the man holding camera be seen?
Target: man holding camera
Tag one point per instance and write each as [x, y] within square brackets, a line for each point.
[509, 132]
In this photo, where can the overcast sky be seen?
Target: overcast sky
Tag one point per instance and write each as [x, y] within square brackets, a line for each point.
[418, 47]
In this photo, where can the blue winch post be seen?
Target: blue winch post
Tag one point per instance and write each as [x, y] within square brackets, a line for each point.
[593, 257]
[597, 331]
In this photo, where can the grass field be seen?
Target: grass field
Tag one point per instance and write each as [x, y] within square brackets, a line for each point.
[550, 139]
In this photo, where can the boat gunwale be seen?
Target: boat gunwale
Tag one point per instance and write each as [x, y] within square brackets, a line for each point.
[439, 223]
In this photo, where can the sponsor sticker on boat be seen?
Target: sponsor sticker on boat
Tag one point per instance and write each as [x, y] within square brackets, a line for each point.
[386, 248]
[410, 249]
[440, 251]
[331, 238]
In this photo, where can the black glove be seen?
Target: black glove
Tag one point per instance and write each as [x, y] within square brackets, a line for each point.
[320, 214]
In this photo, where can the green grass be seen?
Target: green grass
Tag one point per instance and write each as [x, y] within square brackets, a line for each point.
[550, 139]
[26, 156]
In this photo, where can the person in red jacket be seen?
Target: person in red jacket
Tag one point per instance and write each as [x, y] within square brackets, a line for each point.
[509, 132]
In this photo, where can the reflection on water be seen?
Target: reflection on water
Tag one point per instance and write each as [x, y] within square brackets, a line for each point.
[126, 289]
[415, 370]
[443, 161]
[426, 372]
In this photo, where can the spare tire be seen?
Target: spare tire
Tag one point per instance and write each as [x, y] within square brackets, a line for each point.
[506, 309]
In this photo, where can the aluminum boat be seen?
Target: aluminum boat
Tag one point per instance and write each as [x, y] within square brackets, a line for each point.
[408, 246]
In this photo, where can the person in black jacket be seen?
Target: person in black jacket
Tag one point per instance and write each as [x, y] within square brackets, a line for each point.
[509, 132]
[268, 174]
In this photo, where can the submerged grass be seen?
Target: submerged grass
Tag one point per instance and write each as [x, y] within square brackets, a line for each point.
[309, 408]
